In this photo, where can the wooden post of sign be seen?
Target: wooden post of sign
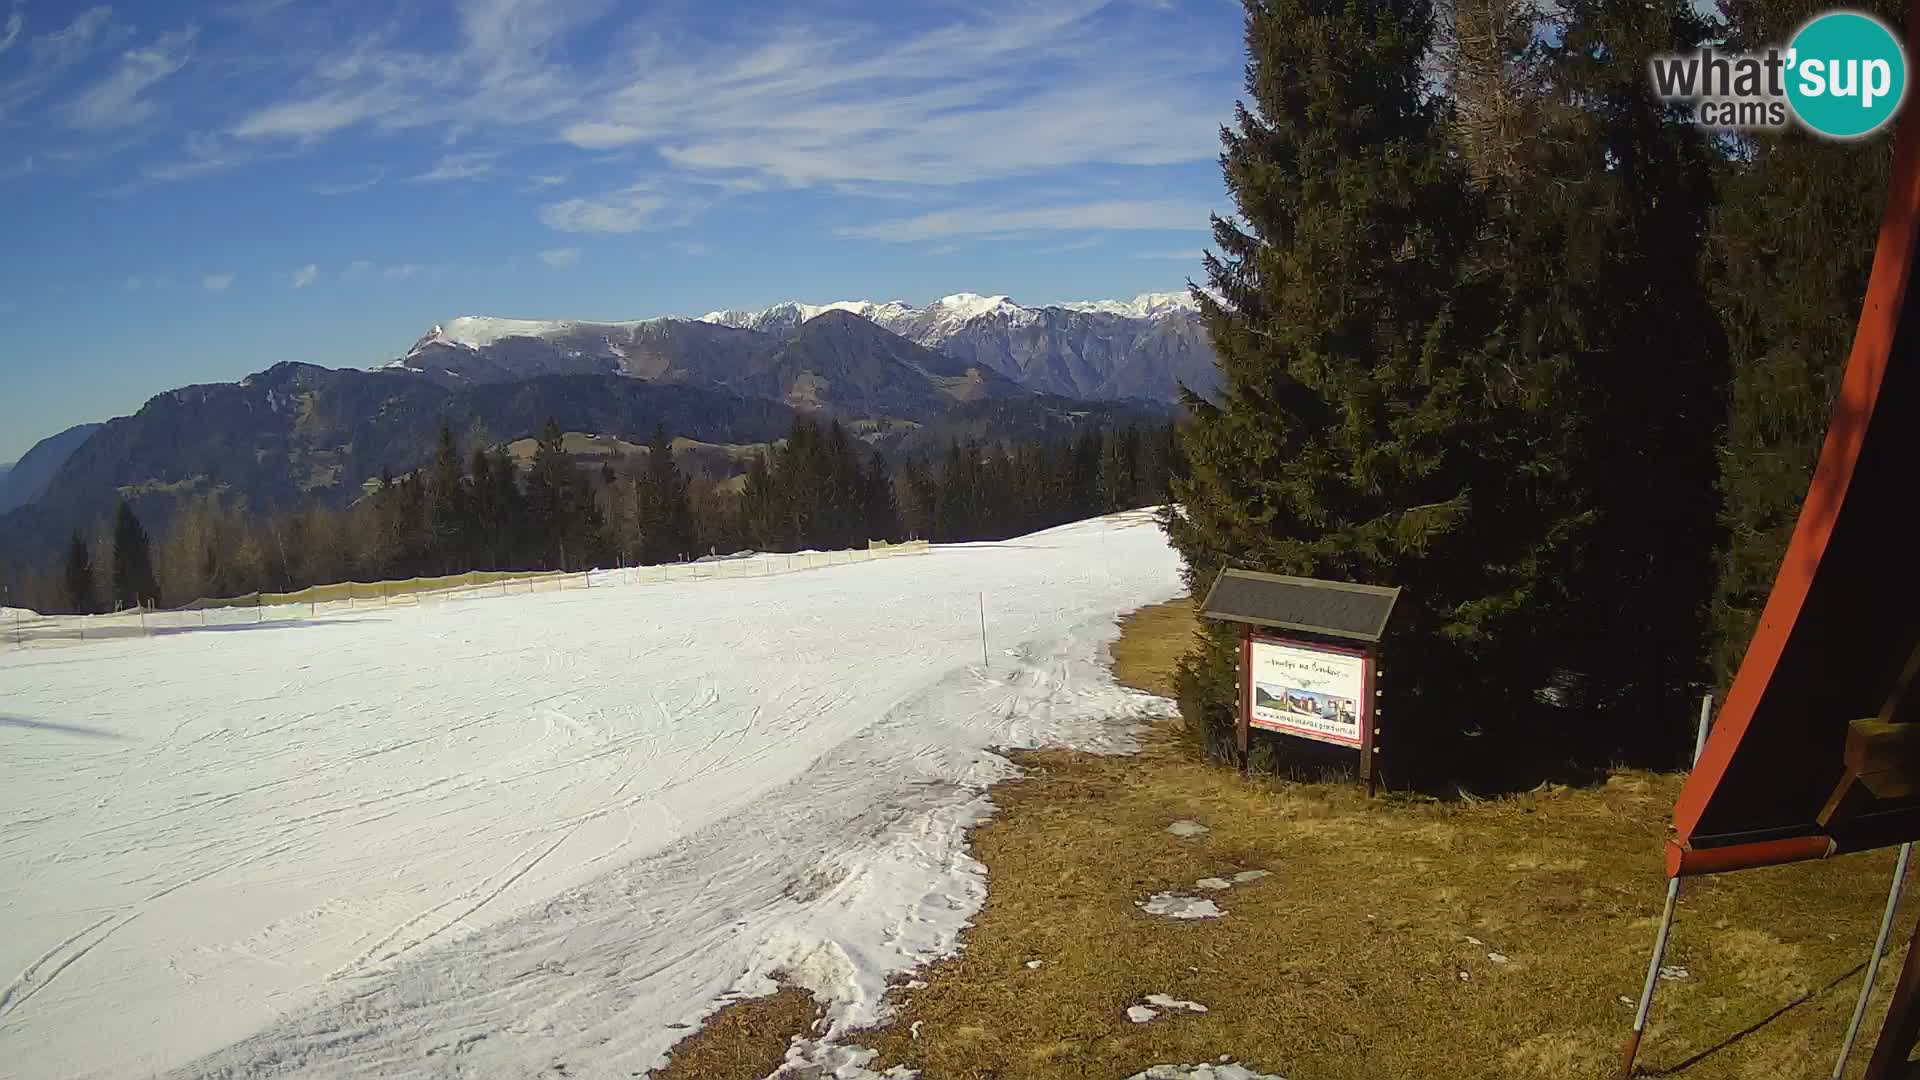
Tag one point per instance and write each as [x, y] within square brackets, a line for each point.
[1370, 727]
[1243, 733]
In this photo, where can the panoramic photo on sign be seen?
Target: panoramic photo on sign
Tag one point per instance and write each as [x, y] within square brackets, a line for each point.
[1311, 691]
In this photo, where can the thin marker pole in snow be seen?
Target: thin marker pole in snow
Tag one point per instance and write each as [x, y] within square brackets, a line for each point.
[983, 630]
[1666, 924]
[1873, 963]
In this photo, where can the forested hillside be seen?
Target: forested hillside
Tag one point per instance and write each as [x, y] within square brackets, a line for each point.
[474, 507]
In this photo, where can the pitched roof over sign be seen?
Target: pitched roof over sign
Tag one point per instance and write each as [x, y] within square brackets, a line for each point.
[1339, 609]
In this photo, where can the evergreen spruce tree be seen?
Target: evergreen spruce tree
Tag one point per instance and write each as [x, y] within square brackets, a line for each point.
[1793, 239]
[509, 509]
[879, 509]
[133, 580]
[448, 513]
[79, 577]
[1119, 467]
[845, 512]
[483, 513]
[551, 505]
[921, 489]
[1605, 240]
[667, 520]
[1361, 429]
[762, 517]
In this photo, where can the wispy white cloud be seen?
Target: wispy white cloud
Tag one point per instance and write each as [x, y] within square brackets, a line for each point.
[10, 33]
[690, 247]
[251, 10]
[135, 283]
[403, 271]
[1081, 244]
[14, 172]
[471, 166]
[843, 101]
[559, 257]
[987, 221]
[314, 118]
[204, 153]
[350, 183]
[598, 135]
[50, 55]
[305, 276]
[116, 101]
[358, 268]
[631, 209]
[217, 282]
[997, 90]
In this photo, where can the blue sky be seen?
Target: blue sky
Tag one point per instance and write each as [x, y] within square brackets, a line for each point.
[191, 192]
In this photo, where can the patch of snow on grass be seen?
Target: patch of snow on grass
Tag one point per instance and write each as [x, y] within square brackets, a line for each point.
[1245, 876]
[1140, 1014]
[1179, 907]
[1167, 1001]
[1229, 1070]
[1187, 828]
[1213, 883]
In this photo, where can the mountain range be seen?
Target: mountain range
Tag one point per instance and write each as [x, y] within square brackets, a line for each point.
[905, 379]
[1147, 347]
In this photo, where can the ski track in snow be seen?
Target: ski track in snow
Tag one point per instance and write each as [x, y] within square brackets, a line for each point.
[530, 835]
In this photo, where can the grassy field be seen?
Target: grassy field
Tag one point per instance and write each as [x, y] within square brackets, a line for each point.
[1398, 937]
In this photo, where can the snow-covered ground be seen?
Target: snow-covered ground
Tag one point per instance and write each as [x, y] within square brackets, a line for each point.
[531, 835]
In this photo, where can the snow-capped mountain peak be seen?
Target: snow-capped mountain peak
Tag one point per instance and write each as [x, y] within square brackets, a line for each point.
[1145, 306]
[479, 331]
[968, 305]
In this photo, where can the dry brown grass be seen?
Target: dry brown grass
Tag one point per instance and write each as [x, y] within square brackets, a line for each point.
[744, 1040]
[1151, 639]
[1351, 960]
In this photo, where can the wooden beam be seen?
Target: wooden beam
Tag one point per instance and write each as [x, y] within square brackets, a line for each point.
[1885, 757]
[1903, 706]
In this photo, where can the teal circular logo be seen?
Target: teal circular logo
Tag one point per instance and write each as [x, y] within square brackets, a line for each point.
[1847, 74]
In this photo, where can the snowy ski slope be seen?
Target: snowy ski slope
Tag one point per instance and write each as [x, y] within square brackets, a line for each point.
[533, 833]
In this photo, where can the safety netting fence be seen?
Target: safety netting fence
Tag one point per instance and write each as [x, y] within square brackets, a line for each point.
[20, 628]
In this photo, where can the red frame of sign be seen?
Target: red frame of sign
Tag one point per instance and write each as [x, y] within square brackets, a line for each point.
[1367, 712]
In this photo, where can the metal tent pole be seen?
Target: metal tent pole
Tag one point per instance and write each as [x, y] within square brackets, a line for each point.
[1873, 962]
[1666, 924]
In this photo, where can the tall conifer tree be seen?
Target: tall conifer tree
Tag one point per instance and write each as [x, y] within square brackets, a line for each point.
[449, 513]
[133, 580]
[1360, 431]
[666, 521]
[1793, 240]
[79, 577]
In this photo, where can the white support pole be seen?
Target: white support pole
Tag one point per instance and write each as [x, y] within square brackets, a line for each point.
[1666, 923]
[983, 630]
[1873, 962]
